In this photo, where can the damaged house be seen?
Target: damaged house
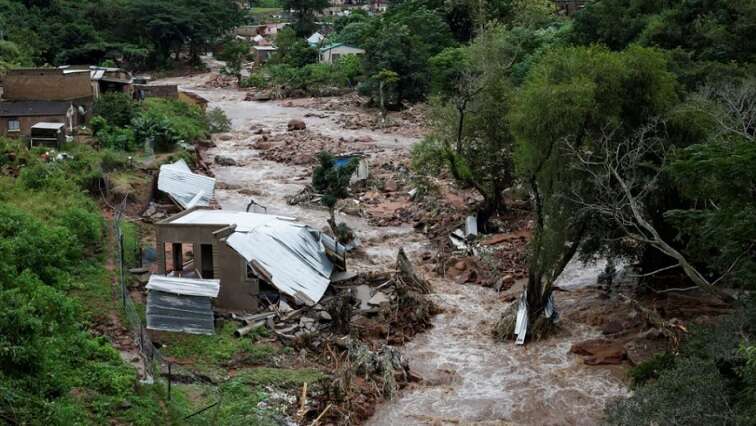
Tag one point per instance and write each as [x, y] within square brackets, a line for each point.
[249, 254]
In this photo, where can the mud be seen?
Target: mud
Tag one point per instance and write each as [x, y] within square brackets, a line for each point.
[467, 376]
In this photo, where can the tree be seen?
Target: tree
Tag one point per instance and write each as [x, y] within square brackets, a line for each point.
[384, 79]
[403, 41]
[304, 14]
[475, 88]
[578, 93]
[234, 53]
[332, 181]
[293, 50]
[719, 223]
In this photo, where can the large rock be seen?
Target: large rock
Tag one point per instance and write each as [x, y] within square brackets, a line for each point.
[600, 351]
[224, 161]
[295, 124]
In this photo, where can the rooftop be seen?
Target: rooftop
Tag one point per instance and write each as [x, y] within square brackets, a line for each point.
[33, 108]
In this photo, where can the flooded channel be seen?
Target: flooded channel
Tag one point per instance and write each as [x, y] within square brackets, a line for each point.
[468, 377]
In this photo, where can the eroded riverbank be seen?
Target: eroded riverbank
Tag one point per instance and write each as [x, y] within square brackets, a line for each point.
[467, 376]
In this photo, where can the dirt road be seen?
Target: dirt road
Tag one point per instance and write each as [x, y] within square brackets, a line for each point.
[468, 376]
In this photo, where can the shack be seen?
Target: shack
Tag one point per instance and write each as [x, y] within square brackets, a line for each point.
[263, 53]
[48, 134]
[17, 118]
[248, 252]
[181, 304]
[333, 52]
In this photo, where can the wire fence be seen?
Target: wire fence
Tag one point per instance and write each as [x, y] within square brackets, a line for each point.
[153, 360]
[158, 368]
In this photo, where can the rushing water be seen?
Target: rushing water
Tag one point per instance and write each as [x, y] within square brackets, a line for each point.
[468, 377]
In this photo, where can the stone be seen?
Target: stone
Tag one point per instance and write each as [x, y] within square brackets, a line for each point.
[224, 161]
[390, 186]
[225, 137]
[460, 265]
[296, 124]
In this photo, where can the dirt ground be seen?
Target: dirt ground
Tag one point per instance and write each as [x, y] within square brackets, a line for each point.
[467, 376]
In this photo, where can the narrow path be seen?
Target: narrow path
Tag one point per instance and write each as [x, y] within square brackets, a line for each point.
[468, 376]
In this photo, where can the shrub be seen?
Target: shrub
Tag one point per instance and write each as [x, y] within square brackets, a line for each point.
[166, 122]
[217, 121]
[116, 108]
[691, 393]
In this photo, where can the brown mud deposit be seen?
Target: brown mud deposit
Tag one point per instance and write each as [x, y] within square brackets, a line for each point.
[466, 375]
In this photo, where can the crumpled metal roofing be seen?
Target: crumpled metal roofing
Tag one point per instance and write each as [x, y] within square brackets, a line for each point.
[187, 189]
[289, 255]
[181, 313]
[184, 286]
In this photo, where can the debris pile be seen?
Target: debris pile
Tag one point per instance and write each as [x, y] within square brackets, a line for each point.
[219, 81]
[301, 147]
[391, 307]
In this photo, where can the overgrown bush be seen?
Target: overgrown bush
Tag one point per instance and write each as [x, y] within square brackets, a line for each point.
[166, 122]
[711, 381]
[217, 121]
[117, 108]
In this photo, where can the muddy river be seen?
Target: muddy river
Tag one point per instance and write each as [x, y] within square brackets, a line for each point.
[468, 377]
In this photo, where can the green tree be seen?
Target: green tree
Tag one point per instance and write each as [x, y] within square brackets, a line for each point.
[403, 42]
[116, 108]
[578, 95]
[332, 181]
[293, 50]
[234, 53]
[304, 14]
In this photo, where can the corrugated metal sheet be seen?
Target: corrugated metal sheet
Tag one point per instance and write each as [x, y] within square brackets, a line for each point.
[521, 322]
[294, 260]
[96, 74]
[291, 255]
[48, 126]
[187, 189]
[180, 313]
[184, 286]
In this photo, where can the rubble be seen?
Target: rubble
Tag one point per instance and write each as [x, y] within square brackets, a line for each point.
[295, 124]
[225, 161]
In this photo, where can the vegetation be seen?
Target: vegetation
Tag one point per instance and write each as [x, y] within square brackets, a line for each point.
[331, 179]
[712, 378]
[52, 368]
[134, 33]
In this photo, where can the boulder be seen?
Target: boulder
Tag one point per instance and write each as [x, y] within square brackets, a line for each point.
[224, 161]
[295, 124]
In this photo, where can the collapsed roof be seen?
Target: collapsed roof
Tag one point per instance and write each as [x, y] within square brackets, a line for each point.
[291, 256]
[185, 188]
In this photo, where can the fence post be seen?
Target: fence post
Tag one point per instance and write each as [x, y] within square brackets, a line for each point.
[123, 275]
[169, 380]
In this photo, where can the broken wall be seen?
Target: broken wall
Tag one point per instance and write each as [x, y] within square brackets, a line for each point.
[237, 291]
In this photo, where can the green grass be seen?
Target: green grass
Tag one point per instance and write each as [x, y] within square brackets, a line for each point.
[262, 11]
[208, 353]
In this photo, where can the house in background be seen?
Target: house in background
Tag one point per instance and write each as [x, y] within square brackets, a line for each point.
[263, 53]
[331, 53]
[18, 117]
[315, 39]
